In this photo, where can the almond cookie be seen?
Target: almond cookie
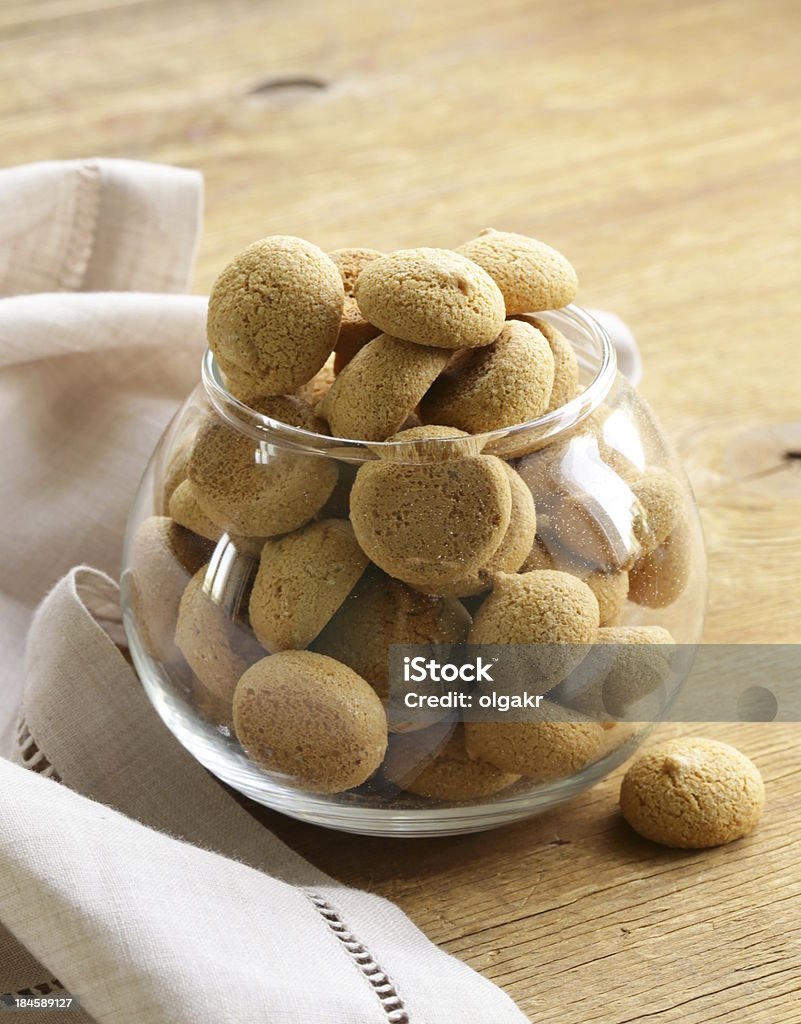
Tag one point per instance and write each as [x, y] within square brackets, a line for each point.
[380, 612]
[610, 588]
[311, 718]
[260, 490]
[531, 275]
[442, 771]
[431, 524]
[549, 608]
[566, 370]
[164, 557]
[660, 578]
[216, 642]
[661, 503]
[692, 793]
[186, 511]
[315, 390]
[557, 742]
[379, 387]
[499, 385]
[354, 331]
[422, 444]
[302, 579]
[513, 549]
[627, 664]
[584, 507]
[431, 297]
[274, 314]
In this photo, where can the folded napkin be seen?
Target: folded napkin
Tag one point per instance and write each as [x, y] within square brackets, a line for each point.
[128, 876]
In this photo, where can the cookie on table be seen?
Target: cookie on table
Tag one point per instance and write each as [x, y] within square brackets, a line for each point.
[531, 275]
[433, 297]
[302, 580]
[499, 385]
[311, 718]
[378, 389]
[254, 491]
[274, 314]
[692, 793]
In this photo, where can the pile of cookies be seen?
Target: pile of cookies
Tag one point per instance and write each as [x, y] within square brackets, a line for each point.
[427, 539]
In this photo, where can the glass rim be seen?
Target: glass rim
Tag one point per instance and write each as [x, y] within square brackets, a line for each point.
[542, 428]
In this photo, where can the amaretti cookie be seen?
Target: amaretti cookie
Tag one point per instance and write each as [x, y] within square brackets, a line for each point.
[379, 387]
[431, 524]
[382, 611]
[513, 549]
[443, 771]
[530, 274]
[432, 297]
[254, 490]
[186, 511]
[556, 743]
[302, 579]
[661, 577]
[164, 557]
[610, 588]
[499, 385]
[354, 331]
[211, 635]
[274, 314]
[627, 664]
[311, 718]
[692, 793]
[661, 502]
[315, 390]
[545, 607]
[565, 365]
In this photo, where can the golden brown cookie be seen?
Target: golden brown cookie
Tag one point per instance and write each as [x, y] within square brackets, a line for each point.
[260, 491]
[423, 444]
[442, 770]
[541, 607]
[566, 371]
[164, 557]
[513, 549]
[211, 635]
[548, 608]
[274, 314]
[431, 524]
[661, 504]
[315, 390]
[432, 297]
[583, 506]
[556, 743]
[499, 385]
[692, 793]
[627, 664]
[311, 718]
[380, 612]
[302, 579]
[531, 275]
[174, 473]
[379, 387]
[186, 511]
[610, 588]
[660, 578]
[354, 331]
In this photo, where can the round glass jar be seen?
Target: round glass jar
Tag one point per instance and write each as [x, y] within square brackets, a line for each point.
[596, 468]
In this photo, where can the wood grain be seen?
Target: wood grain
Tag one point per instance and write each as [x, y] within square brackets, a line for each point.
[659, 145]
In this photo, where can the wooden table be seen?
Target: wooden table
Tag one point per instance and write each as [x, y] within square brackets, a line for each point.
[659, 145]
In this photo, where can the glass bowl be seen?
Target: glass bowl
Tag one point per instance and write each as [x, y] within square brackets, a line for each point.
[613, 509]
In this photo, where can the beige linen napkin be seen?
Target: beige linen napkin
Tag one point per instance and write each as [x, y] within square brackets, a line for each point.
[193, 912]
